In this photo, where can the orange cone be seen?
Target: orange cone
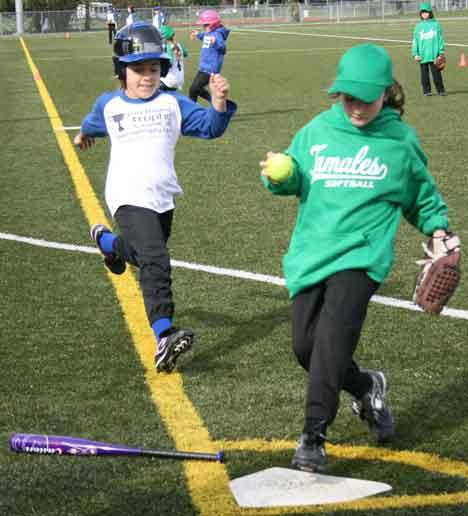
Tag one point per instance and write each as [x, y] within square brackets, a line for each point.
[463, 61]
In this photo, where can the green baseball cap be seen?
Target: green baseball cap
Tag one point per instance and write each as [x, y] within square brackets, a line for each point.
[167, 32]
[425, 6]
[364, 72]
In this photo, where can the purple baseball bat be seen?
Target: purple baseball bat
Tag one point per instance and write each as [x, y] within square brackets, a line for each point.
[42, 444]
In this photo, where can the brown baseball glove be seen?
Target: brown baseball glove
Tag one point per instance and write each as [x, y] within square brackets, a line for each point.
[440, 62]
[440, 273]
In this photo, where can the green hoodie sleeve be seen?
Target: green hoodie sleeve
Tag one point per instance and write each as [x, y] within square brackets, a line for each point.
[294, 185]
[441, 40]
[415, 47]
[423, 206]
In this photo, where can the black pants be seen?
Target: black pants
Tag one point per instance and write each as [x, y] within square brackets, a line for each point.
[198, 87]
[111, 31]
[163, 87]
[436, 77]
[327, 322]
[143, 243]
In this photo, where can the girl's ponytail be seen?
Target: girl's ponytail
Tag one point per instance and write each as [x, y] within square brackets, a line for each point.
[395, 97]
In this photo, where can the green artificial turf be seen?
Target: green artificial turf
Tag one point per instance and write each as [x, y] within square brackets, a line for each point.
[69, 366]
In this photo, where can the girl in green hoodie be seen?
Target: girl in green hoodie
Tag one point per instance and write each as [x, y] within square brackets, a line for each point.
[428, 44]
[357, 168]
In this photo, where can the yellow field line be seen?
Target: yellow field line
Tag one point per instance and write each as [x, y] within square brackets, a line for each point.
[375, 503]
[208, 482]
[427, 461]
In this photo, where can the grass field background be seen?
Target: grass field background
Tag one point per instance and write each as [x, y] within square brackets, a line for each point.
[75, 363]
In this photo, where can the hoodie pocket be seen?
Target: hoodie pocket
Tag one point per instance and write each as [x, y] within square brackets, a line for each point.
[325, 254]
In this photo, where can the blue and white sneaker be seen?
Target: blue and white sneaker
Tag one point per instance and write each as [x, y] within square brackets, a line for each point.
[372, 409]
[111, 260]
[171, 347]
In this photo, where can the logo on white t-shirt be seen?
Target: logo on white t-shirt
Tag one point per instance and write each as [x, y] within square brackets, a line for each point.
[118, 119]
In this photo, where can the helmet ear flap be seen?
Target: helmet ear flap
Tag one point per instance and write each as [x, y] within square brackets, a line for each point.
[127, 47]
[120, 69]
[123, 47]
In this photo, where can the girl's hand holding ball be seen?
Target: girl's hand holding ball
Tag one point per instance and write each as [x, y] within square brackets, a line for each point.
[278, 167]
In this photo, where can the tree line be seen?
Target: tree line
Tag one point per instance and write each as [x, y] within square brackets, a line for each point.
[59, 5]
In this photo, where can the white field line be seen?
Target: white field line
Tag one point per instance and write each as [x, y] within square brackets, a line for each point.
[342, 36]
[260, 28]
[256, 51]
[69, 128]
[402, 43]
[320, 35]
[347, 21]
[261, 51]
[232, 273]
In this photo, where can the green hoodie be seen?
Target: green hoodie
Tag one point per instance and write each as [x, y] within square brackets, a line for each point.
[170, 46]
[353, 185]
[428, 40]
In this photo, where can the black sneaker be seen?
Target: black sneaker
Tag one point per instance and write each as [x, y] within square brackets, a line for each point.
[113, 262]
[170, 347]
[372, 409]
[442, 94]
[428, 94]
[310, 454]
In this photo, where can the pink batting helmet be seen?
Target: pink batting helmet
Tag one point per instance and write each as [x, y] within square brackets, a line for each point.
[209, 17]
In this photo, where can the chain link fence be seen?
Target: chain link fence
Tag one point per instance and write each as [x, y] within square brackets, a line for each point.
[337, 11]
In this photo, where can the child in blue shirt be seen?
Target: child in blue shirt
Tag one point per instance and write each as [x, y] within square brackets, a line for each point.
[144, 125]
[213, 36]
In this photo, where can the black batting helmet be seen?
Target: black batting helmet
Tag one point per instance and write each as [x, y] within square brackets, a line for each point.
[138, 42]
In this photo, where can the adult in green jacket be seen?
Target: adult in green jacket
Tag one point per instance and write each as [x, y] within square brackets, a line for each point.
[357, 168]
[428, 45]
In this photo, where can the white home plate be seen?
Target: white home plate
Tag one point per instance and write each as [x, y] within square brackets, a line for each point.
[280, 487]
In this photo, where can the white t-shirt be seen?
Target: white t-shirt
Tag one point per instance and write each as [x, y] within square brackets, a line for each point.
[158, 19]
[143, 143]
[143, 136]
[175, 76]
[110, 17]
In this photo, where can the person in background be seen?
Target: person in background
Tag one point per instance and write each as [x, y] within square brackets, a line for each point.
[296, 12]
[174, 79]
[213, 38]
[144, 125]
[356, 169]
[111, 23]
[158, 17]
[131, 16]
[428, 45]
